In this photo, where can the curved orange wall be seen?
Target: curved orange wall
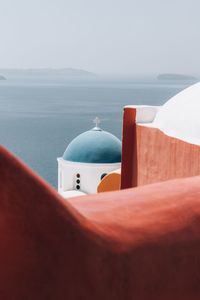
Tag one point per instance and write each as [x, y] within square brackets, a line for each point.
[110, 182]
[137, 244]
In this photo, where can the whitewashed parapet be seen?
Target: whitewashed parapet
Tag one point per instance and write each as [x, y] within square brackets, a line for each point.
[145, 113]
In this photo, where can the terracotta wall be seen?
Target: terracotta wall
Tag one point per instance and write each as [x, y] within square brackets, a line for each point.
[137, 244]
[160, 157]
[149, 155]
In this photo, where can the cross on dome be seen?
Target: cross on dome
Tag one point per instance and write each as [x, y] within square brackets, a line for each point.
[97, 122]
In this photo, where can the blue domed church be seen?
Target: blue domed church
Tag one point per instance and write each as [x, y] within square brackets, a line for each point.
[86, 160]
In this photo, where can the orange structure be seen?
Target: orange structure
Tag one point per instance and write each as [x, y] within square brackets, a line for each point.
[110, 182]
[140, 243]
[153, 156]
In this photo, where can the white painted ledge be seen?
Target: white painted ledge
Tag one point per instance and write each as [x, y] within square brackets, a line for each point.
[71, 194]
[145, 113]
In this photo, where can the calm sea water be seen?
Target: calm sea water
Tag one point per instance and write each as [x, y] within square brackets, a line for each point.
[39, 117]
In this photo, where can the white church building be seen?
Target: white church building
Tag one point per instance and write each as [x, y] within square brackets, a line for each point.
[86, 160]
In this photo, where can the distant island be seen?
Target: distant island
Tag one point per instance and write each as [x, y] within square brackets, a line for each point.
[175, 77]
[2, 77]
[64, 72]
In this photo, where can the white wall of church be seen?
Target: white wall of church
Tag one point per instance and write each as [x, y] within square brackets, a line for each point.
[81, 176]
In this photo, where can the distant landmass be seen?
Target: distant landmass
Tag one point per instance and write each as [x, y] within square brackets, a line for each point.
[65, 72]
[175, 77]
[2, 77]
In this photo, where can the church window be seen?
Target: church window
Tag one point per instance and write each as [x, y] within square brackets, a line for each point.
[103, 175]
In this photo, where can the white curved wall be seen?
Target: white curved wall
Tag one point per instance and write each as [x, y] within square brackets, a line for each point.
[180, 116]
[90, 175]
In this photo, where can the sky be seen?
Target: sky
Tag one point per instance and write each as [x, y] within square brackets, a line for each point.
[124, 37]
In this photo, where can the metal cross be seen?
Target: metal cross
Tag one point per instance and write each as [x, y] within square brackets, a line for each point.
[96, 122]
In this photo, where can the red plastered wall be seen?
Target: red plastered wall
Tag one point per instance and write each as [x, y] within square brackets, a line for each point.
[149, 155]
[140, 244]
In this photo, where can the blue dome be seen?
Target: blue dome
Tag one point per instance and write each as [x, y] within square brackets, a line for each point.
[94, 146]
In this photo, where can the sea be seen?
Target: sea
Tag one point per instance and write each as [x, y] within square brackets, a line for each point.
[40, 116]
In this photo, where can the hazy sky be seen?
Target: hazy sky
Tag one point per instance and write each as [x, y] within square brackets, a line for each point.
[103, 36]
